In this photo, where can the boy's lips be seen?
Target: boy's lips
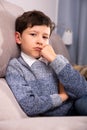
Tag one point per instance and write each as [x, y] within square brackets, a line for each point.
[37, 49]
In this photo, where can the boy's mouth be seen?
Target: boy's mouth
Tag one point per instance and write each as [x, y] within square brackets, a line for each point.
[37, 49]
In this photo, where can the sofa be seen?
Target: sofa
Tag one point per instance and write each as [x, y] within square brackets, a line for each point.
[11, 115]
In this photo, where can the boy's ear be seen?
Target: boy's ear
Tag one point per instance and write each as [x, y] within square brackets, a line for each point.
[18, 37]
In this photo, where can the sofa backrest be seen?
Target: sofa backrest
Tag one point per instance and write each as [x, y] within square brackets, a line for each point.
[59, 46]
[8, 47]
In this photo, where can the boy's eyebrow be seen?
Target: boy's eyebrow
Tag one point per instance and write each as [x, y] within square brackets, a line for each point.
[37, 32]
[46, 34]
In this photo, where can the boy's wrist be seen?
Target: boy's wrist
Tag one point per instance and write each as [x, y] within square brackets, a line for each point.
[52, 57]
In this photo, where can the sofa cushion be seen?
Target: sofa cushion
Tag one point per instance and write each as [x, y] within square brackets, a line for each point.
[46, 123]
[8, 48]
[9, 108]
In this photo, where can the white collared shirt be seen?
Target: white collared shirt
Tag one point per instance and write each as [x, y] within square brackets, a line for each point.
[30, 60]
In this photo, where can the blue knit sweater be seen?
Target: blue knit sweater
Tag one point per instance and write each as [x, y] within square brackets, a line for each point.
[36, 87]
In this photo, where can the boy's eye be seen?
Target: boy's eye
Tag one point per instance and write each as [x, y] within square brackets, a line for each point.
[32, 34]
[45, 37]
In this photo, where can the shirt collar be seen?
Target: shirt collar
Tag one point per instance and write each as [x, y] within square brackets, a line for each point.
[30, 60]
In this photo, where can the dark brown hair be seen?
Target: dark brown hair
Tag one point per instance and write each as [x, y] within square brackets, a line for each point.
[32, 18]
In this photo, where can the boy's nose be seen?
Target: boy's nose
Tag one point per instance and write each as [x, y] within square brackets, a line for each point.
[40, 41]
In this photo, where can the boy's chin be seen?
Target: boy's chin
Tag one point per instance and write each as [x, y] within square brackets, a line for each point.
[38, 57]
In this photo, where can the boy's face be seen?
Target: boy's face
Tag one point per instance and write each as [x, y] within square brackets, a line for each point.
[33, 40]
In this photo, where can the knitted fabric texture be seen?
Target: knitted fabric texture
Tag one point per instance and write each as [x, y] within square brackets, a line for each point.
[36, 87]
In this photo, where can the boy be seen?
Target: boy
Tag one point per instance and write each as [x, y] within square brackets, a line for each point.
[34, 76]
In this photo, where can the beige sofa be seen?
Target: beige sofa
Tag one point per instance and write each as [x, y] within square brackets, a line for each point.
[11, 115]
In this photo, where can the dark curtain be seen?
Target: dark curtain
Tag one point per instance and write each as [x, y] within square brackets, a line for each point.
[72, 14]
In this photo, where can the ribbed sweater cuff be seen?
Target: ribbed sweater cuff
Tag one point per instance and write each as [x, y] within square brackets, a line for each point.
[59, 63]
[56, 100]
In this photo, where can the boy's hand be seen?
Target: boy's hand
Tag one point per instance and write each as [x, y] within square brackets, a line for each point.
[48, 53]
[62, 93]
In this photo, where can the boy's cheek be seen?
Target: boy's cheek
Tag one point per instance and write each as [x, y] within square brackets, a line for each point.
[48, 42]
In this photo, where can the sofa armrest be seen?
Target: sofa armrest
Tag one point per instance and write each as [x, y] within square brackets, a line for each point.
[9, 108]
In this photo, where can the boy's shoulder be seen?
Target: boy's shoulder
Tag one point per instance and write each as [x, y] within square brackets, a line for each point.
[13, 61]
[17, 62]
[15, 65]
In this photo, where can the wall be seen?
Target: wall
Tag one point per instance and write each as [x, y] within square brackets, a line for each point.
[50, 7]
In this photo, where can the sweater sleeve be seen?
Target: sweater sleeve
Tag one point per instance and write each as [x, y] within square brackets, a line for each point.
[30, 102]
[74, 84]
